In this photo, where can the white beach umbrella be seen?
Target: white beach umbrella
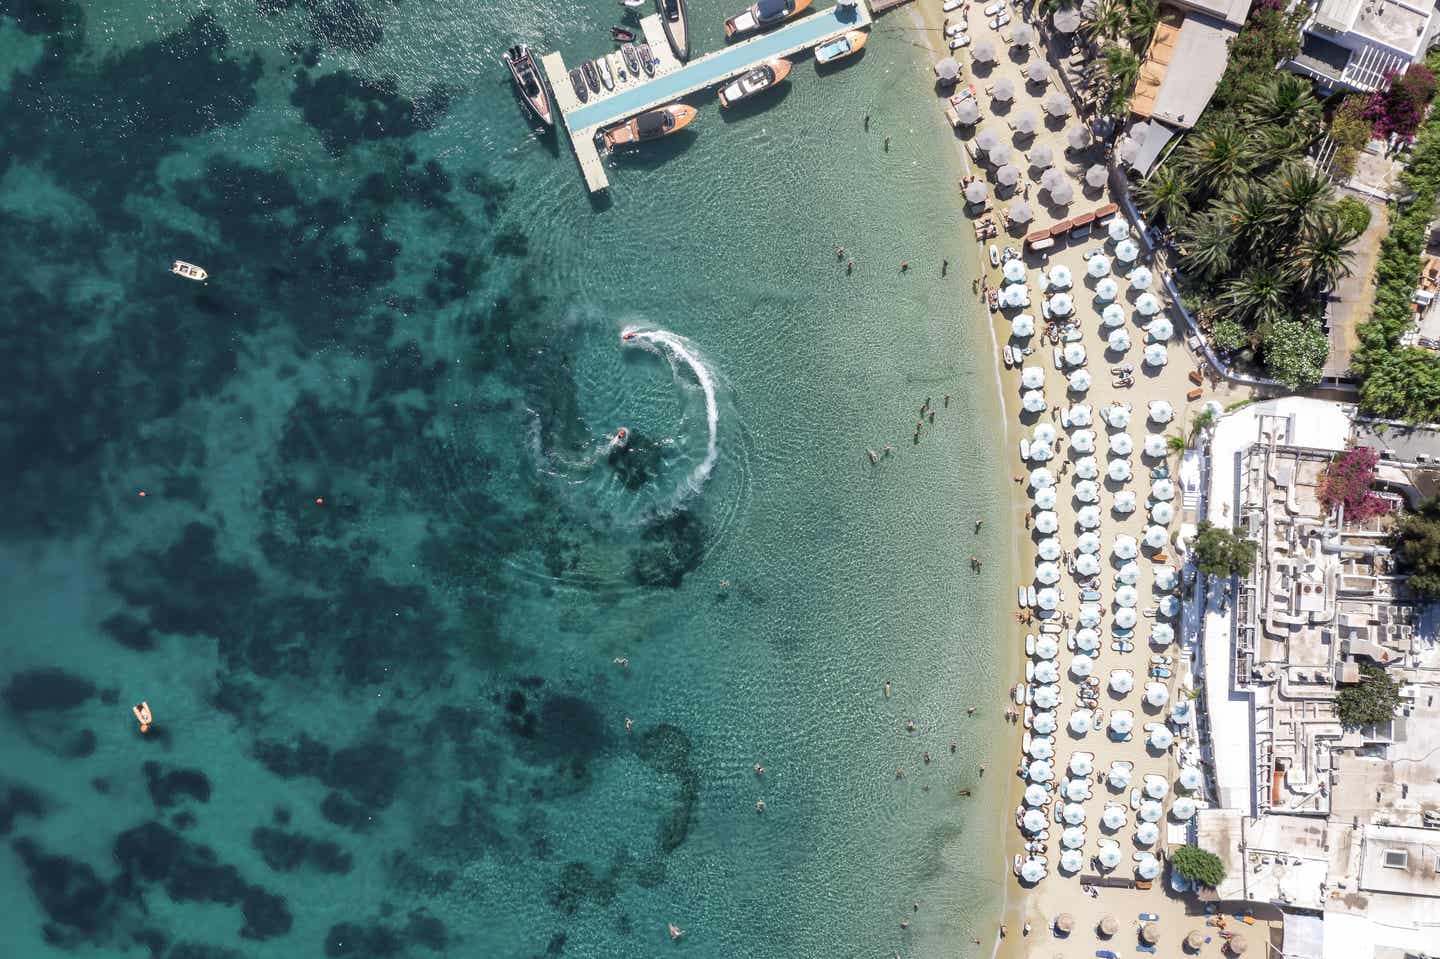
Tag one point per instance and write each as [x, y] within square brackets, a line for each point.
[1124, 502]
[975, 192]
[1037, 795]
[1082, 666]
[1003, 92]
[1191, 778]
[1155, 355]
[1047, 573]
[1098, 266]
[1008, 175]
[948, 69]
[1169, 606]
[1096, 176]
[1161, 411]
[1156, 537]
[1141, 278]
[1088, 543]
[1119, 471]
[1032, 377]
[1122, 680]
[1062, 305]
[1056, 104]
[1073, 837]
[1042, 747]
[1076, 790]
[1035, 821]
[1128, 574]
[1074, 353]
[1037, 71]
[1041, 477]
[1051, 178]
[1126, 251]
[1107, 289]
[1083, 441]
[1047, 697]
[1062, 193]
[1118, 341]
[1041, 772]
[1087, 639]
[1150, 811]
[1146, 833]
[1155, 446]
[1122, 721]
[1078, 138]
[1162, 513]
[1073, 813]
[1033, 401]
[988, 138]
[1046, 647]
[1119, 777]
[1161, 738]
[1088, 517]
[1213, 407]
[1086, 467]
[1048, 548]
[1013, 270]
[1157, 787]
[1125, 547]
[1090, 617]
[1086, 564]
[983, 51]
[1081, 721]
[1021, 212]
[1041, 156]
[1026, 123]
[1086, 491]
[1048, 598]
[1148, 867]
[1182, 713]
[1046, 498]
[1047, 522]
[1080, 381]
[1060, 275]
[1015, 295]
[1125, 618]
[1066, 20]
[1117, 416]
[1121, 444]
[1043, 722]
[1147, 304]
[1160, 328]
[1166, 578]
[1040, 452]
[1113, 315]
[1118, 229]
[1126, 596]
[1162, 634]
[1032, 870]
[1110, 857]
[1072, 861]
[1113, 817]
[1079, 414]
[968, 112]
[1021, 35]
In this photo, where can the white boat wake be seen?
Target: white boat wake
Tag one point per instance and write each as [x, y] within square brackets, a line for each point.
[676, 350]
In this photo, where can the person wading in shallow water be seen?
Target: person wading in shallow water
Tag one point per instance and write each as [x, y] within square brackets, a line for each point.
[143, 716]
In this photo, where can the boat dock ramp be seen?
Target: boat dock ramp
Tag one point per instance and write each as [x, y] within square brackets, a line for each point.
[674, 80]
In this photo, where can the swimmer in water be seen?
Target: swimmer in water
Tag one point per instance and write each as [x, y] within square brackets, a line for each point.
[887, 689]
[760, 805]
[909, 725]
[621, 661]
[675, 931]
[142, 716]
[759, 770]
[628, 723]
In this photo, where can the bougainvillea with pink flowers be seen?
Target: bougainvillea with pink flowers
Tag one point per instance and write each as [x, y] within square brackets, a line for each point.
[1399, 108]
[1346, 482]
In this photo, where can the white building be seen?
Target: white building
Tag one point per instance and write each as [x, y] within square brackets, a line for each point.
[1353, 44]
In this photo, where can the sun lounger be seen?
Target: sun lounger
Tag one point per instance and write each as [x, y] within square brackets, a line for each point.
[1194, 394]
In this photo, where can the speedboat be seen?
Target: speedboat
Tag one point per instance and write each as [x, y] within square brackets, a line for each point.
[852, 42]
[528, 83]
[676, 23]
[617, 67]
[592, 77]
[188, 270]
[577, 80]
[650, 125]
[762, 15]
[754, 81]
[622, 34]
[647, 59]
[602, 66]
[632, 59]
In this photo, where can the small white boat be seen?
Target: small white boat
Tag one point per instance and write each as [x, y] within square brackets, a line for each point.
[994, 255]
[188, 270]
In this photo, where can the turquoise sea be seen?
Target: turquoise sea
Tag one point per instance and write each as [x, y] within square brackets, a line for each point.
[347, 516]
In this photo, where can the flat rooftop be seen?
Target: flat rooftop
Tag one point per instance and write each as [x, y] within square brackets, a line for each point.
[1398, 24]
[1196, 64]
[1231, 11]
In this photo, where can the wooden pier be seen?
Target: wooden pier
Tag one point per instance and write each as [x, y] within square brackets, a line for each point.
[883, 6]
[674, 80]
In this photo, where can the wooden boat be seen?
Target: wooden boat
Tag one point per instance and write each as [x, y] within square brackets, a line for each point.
[602, 66]
[528, 83]
[647, 59]
[841, 47]
[754, 81]
[578, 82]
[592, 78]
[650, 125]
[676, 23]
[632, 59]
[762, 15]
[189, 270]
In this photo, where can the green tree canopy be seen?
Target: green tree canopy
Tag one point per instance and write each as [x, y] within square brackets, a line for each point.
[1371, 701]
[1416, 542]
[1197, 865]
[1295, 353]
[1221, 552]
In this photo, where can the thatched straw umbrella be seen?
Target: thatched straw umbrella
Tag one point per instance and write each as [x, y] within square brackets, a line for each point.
[1108, 926]
[1064, 922]
[1149, 934]
[1238, 945]
[1194, 940]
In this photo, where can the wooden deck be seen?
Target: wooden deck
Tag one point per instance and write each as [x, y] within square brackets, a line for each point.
[881, 6]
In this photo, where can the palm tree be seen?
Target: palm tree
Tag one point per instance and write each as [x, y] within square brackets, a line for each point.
[1218, 156]
[1176, 442]
[1141, 21]
[1324, 253]
[1259, 295]
[1106, 22]
[1284, 100]
[1122, 67]
[1251, 214]
[1208, 242]
[1300, 194]
[1162, 196]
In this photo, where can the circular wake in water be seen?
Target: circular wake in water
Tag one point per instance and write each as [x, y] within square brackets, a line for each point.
[678, 351]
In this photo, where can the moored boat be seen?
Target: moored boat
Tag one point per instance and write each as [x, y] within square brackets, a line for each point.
[622, 34]
[602, 66]
[528, 83]
[676, 23]
[762, 15]
[577, 80]
[647, 59]
[632, 59]
[592, 78]
[754, 81]
[850, 43]
[189, 270]
[650, 125]
[617, 67]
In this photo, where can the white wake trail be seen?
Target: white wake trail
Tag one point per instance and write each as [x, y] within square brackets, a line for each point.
[675, 349]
